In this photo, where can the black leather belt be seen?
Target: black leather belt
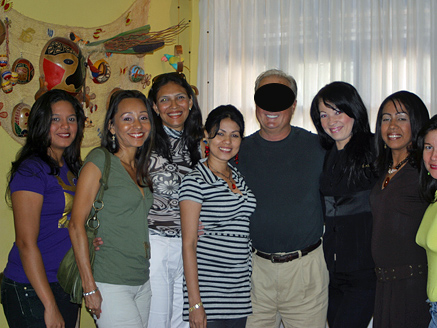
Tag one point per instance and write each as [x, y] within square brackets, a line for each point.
[276, 258]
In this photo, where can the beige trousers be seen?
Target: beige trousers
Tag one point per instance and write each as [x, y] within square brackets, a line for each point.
[295, 292]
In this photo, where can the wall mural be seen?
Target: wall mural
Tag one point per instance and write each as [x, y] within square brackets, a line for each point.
[89, 63]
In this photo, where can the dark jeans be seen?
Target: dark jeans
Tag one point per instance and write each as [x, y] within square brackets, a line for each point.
[351, 298]
[228, 323]
[23, 308]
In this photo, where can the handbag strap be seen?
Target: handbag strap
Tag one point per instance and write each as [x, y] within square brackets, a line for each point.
[105, 175]
[98, 202]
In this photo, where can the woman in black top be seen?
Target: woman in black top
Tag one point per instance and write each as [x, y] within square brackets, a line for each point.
[340, 118]
[398, 208]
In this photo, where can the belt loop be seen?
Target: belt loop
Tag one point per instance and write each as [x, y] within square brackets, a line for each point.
[299, 252]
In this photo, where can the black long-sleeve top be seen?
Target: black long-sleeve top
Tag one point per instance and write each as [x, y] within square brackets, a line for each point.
[348, 217]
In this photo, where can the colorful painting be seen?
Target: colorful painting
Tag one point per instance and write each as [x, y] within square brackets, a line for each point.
[29, 39]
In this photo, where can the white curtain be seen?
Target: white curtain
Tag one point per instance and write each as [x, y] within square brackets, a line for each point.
[379, 46]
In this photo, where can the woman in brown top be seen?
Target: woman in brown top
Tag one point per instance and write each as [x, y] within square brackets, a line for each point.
[397, 212]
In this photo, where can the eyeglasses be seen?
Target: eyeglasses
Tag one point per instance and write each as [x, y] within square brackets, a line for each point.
[177, 74]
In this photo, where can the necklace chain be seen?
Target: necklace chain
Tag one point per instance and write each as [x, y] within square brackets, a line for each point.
[223, 175]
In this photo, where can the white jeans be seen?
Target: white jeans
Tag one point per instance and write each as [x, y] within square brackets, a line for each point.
[124, 306]
[166, 278]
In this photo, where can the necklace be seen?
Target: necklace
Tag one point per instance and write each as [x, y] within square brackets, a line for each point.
[393, 170]
[223, 175]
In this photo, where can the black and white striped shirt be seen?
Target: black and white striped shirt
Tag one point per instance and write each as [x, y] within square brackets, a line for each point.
[224, 251]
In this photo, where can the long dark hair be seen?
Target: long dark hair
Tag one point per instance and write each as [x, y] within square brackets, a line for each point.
[418, 114]
[358, 152]
[218, 114]
[192, 132]
[38, 137]
[142, 155]
[428, 185]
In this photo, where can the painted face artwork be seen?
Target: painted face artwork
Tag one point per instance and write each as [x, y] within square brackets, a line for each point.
[63, 65]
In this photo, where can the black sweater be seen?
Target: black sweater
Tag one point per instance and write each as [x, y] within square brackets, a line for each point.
[348, 218]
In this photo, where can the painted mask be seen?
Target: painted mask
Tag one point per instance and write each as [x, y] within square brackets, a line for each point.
[62, 64]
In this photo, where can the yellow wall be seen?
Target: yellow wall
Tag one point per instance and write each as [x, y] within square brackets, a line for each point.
[162, 14]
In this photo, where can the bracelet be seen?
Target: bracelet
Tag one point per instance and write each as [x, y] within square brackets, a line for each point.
[195, 306]
[91, 292]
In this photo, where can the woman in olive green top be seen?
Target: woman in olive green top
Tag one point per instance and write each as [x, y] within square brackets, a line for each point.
[118, 292]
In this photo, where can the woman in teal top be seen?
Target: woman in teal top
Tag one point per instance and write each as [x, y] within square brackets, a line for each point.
[117, 291]
[427, 233]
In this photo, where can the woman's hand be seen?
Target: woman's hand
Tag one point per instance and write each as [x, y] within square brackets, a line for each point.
[200, 230]
[97, 242]
[198, 318]
[93, 303]
[86, 191]
[53, 318]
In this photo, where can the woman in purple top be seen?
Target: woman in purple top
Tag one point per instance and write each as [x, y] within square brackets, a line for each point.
[41, 187]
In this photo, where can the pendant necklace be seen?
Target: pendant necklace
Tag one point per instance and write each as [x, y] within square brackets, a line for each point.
[393, 170]
[227, 177]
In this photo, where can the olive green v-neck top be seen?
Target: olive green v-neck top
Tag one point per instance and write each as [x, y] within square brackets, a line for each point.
[123, 258]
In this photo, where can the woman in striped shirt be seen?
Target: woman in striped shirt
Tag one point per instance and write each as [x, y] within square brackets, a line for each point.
[217, 265]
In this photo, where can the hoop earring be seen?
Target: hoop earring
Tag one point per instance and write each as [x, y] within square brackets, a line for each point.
[114, 145]
[236, 159]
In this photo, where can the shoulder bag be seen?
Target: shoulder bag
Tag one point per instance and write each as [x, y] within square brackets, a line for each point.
[68, 272]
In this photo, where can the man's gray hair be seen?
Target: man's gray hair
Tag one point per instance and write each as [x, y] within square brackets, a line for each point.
[278, 73]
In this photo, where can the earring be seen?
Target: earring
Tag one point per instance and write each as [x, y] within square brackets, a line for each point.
[429, 173]
[236, 159]
[189, 108]
[114, 145]
[385, 146]
[206, 150]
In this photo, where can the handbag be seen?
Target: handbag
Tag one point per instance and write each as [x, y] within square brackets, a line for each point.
[68, 272]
